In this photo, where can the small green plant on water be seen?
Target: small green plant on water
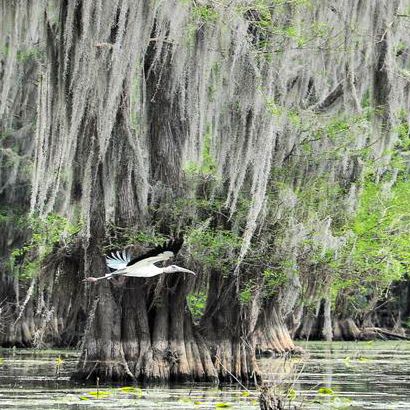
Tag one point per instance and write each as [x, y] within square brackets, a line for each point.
[327, 398]
[291, 394]
[58, 364]
[100, 394]
[135, 391]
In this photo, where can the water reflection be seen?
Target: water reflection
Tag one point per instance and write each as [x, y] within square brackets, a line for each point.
[363, 375]
[358, 375]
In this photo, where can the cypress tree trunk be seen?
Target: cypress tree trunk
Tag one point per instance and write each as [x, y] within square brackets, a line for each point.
[114, 107]
[228, 327]
[272, 335]
[144, 333]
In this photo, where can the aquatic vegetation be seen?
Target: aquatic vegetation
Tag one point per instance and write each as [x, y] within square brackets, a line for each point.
[100, 394]
[326, 391]
[358, 383]
[136, 391]
[273, 135]
[291, 394]
[185, 400]
[59, 361]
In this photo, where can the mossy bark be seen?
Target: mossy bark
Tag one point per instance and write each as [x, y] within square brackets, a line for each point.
[141, 334]
[272, 335]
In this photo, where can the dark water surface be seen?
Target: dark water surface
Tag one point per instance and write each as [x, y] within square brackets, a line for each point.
[332, 376]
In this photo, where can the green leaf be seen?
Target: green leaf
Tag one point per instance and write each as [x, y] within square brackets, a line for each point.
[136, 391]
[100, 394]
[326, 391]
[291, 394]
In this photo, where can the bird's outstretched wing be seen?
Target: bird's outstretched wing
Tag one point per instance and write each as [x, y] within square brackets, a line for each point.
[118, 260]
[164, 252]
[164, 256]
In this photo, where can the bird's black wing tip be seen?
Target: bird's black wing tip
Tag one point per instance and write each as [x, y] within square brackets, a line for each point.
[173, 245]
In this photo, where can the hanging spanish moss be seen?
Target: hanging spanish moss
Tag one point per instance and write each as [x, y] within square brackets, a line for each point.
[259, 131]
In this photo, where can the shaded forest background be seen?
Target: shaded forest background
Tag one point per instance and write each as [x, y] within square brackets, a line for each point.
[273, 135]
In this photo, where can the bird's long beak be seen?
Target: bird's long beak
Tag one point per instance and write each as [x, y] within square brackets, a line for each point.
[186, 271]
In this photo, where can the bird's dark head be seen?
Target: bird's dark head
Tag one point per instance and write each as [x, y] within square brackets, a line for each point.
[175, 268]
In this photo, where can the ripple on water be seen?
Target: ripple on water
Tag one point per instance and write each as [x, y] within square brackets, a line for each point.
[360, 375]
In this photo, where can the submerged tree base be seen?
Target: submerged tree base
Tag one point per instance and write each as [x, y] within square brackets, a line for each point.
[145, 334]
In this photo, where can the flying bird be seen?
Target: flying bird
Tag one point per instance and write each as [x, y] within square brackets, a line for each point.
[121, 264]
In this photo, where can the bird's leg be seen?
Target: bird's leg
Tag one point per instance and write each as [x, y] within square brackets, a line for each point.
[92, 279]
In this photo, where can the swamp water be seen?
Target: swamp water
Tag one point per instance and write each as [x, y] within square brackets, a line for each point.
[365, 375]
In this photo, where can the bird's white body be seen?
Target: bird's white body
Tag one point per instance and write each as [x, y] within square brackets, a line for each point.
[145, 271]
[144, 268]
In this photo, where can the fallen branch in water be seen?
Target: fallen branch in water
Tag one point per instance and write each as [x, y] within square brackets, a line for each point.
[384, 332]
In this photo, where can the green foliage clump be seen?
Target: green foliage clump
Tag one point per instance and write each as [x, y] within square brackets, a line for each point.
[376, 254]
[122, 237]
[213, 248]
[205, 14]
[273, 280]
[29, 54]
[382, 232]
[45, 233]
[24, 55]
[246, 294]
[207, 168]
[197, 303]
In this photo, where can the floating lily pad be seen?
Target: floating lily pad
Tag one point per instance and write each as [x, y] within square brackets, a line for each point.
[59, 361]
[291, 394]
[326, 391]
[100, 394]
[136, 391]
